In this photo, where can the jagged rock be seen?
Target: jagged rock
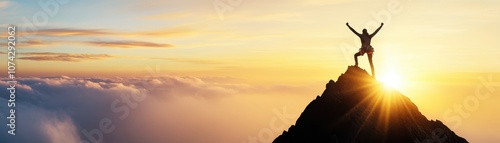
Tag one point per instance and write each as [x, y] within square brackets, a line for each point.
[358, 109]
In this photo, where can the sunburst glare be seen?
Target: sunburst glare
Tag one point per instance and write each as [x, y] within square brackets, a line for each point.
[391, 79]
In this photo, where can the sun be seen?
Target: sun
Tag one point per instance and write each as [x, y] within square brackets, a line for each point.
[391, 80]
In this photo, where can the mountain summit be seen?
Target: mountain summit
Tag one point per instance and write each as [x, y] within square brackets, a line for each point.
[359, 109]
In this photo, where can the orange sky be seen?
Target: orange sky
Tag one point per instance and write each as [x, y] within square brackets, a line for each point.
[439, 50]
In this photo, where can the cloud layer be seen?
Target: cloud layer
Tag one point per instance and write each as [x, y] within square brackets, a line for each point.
[67, 57]
[127, 44]
[68, 109]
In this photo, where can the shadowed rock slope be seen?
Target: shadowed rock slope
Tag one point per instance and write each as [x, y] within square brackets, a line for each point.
[358, 109]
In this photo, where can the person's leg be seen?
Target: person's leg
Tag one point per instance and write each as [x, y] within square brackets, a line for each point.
[371, 64]
[356, 58]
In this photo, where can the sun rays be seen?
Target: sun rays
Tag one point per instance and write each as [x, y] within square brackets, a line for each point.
[383, 104]
[392, 79]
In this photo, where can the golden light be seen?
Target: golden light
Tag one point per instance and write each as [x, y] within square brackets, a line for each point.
[391, 79]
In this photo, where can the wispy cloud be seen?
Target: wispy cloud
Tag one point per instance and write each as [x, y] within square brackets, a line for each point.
[190, 60]
[31, 43]
[169, 31]
[166, 16]
[66, 57]
[166, 32]
[60, 129]
[106, 44]
[123, 43]
[128, 44]
[35, 43]
[73, 32]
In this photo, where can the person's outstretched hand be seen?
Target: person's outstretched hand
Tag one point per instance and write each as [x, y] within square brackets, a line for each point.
[347, 23]
[382, 24]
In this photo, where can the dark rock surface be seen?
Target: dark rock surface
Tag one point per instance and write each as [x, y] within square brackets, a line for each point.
[358, 109]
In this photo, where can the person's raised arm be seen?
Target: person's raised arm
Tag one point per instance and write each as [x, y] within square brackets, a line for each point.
[354, 31]
[378, 29]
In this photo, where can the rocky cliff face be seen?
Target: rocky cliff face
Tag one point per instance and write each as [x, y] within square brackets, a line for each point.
[358, 109]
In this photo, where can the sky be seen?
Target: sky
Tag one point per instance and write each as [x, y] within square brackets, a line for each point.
[237, 65]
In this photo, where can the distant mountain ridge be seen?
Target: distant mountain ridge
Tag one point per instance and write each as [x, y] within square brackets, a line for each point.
[358, 109]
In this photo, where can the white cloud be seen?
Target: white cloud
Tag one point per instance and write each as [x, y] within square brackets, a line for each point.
[61, 130]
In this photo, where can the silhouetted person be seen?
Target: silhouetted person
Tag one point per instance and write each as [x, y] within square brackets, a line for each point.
[365, 45]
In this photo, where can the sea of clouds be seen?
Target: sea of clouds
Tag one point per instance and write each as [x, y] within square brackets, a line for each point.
[129, 110]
